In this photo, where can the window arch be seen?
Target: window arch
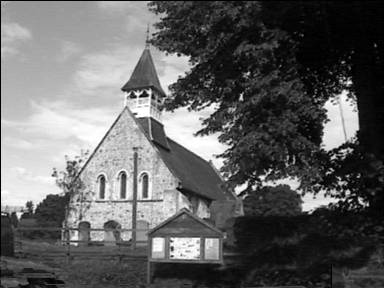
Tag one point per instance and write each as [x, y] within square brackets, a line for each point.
[144, 94]
[144, 185]
[101, 186]
[132, 95]
[122, 180]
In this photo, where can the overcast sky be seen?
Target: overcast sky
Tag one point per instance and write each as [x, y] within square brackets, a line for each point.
[62, 66]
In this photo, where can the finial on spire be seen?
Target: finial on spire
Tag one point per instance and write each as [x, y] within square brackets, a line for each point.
[147, 39]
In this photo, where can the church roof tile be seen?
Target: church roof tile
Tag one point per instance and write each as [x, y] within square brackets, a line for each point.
[144, 75]
[195, 174]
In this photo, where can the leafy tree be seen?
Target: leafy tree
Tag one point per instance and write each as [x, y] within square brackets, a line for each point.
[69, 181]
[52, 210]
[29, 205]
[340, 47]
[267, 68]
[347, 39]
[273, 201]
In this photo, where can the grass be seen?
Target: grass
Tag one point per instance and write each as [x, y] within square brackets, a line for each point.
[98, 274]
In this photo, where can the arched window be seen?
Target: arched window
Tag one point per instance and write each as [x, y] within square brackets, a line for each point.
[144, 94]
[132, 95]
[101, 186]
[144, 186]
[123, 184]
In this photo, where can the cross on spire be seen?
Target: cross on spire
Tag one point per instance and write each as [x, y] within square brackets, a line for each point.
[147, 39]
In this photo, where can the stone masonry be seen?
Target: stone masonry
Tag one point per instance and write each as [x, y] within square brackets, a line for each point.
[113, 155]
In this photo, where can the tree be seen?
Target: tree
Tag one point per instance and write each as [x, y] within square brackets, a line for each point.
[273, 201]
[248, 73]
[52, 210]
[349, 54]
[69, 181]
[340, 47]
[29, 205]
[267, 68]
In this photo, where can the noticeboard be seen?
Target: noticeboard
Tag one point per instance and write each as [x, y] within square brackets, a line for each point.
[212, 249]
[158, 248]
[185, 238]
[184, 248]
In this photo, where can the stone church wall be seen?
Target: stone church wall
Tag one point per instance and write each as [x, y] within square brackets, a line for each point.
[115, 154]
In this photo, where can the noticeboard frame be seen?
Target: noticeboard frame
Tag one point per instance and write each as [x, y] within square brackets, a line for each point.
[156, 233]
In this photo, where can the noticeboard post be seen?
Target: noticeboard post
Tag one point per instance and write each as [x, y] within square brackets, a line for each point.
[184, 238]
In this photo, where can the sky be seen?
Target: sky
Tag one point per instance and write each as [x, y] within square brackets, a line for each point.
[62, 66]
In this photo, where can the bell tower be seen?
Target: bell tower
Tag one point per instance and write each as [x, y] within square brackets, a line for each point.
[143, 93]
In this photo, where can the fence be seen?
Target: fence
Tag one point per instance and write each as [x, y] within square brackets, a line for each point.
[70, 248]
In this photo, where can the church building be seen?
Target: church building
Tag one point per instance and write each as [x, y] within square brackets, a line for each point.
[168, 176]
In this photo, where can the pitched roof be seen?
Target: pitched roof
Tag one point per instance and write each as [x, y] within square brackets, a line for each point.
[195, 174]
[144, 75]
[155, 131]
[178, 214]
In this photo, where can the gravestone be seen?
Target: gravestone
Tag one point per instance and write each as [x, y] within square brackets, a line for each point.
[84, 233]
[111, 233]
[141, 236]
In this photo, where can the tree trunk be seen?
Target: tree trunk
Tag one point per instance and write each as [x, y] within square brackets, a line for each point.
[367, 80]
[367, 76]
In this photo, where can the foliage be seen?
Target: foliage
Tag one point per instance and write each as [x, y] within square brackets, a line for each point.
[267, 68]
[273, 201]
[69, 181]
[339, 47]
[248, 73]
[29, 205]
[354, 177]
[51, 213]
[307, 245]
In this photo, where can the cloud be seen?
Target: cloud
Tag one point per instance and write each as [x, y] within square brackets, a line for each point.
[59, 121]
[107, 69]
[136, 8]
[18, 143]
[28, 176]
[68, 50]
[12, 36]
[135, 16]
[114, 5]
[181, 126]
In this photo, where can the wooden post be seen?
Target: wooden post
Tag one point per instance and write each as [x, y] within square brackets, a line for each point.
[149, 273]
[134, 202]
[68, 245]
[21, 241]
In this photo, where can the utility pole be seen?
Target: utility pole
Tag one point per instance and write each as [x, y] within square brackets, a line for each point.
[134, 202]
